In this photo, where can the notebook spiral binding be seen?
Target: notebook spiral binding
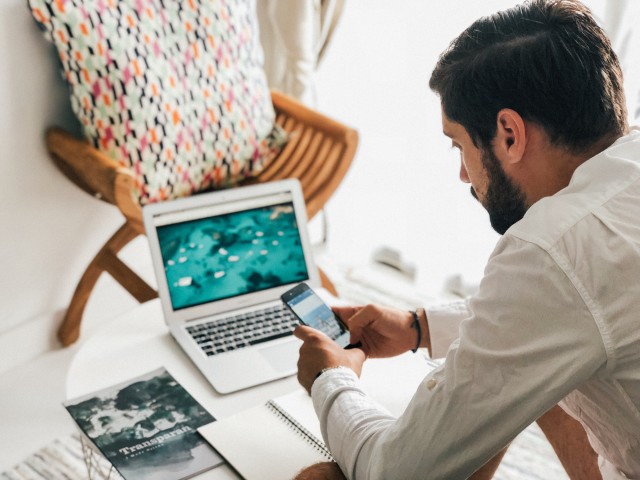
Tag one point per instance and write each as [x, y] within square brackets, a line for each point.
[304, 433]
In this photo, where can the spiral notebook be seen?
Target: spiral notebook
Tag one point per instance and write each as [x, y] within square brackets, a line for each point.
[278, 439]
[273, 440]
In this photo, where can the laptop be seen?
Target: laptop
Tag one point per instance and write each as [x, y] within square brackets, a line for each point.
[222, 260]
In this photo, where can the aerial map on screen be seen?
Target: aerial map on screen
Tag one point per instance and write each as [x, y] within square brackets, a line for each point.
[232, 254]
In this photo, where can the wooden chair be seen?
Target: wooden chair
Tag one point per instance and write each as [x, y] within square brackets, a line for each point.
[318, 153]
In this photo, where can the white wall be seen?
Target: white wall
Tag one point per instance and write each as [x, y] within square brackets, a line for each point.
[403, 189]
[50, 228]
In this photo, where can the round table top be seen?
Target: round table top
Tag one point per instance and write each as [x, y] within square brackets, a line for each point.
[138, 342]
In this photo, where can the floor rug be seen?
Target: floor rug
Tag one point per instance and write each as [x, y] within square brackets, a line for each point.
[529, 457]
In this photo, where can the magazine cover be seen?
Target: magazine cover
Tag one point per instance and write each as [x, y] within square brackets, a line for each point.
[146, 427]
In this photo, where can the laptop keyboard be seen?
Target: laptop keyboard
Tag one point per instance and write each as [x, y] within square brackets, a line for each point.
[244, 330]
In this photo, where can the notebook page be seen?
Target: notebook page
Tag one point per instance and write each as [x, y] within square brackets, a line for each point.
[299, 405]
[259, 444]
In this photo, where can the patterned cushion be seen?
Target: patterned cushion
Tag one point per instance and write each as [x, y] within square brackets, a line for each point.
[174, 89]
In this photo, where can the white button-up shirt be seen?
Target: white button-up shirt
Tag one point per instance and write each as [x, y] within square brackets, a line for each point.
[556, 319]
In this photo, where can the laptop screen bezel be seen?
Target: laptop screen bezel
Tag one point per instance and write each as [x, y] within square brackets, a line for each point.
[157, 210]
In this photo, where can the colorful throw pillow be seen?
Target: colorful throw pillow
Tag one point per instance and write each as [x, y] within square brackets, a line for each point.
[173, 89]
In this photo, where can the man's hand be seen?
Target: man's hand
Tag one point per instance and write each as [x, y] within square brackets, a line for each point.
[321, 471]
[383, 332]
[318, 351]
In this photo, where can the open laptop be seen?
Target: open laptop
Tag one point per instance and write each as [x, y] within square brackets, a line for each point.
[222, 260]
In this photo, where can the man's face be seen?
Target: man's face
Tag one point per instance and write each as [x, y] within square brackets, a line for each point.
[490, 184]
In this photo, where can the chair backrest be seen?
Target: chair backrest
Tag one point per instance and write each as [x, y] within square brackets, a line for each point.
[318, 153]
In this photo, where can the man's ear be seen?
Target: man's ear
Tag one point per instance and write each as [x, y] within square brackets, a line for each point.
[511, 136]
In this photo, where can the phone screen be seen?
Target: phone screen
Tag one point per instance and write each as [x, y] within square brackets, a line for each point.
[312, 311]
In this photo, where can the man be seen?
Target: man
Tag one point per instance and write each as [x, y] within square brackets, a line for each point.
[532, 97]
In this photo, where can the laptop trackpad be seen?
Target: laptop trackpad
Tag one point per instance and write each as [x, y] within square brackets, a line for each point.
[283, 356]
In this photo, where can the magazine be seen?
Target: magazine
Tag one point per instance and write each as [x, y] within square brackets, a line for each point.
[147, 428]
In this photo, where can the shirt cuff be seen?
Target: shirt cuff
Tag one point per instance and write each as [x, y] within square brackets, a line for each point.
[444, 321]
[324, 388]
[327, 387]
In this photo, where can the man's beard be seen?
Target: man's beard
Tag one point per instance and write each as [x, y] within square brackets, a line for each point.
[504, 201]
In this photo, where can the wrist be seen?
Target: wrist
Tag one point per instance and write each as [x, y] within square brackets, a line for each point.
[322, 372]
[326, 369]
[425, 341]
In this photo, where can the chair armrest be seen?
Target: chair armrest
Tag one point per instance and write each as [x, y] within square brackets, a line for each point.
[95, 172]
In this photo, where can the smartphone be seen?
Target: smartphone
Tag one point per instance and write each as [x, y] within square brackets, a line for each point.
[312, 311]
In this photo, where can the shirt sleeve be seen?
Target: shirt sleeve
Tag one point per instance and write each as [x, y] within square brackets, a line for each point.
[444, 322]
[529, 340]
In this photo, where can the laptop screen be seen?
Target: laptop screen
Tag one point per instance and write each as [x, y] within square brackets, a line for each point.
[223, 251]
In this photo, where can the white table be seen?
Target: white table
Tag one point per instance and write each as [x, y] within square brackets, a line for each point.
[139, 341]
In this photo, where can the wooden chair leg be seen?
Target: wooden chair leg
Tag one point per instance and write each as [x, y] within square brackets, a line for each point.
[328, 284]
[105, 260]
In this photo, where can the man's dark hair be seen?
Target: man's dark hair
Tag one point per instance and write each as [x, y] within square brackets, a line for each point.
[546, 59]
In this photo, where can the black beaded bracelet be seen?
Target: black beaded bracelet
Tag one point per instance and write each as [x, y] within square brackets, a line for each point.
[416, 325]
